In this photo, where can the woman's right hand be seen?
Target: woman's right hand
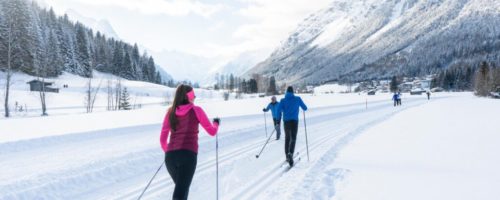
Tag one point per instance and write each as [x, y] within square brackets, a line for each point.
[217, 120]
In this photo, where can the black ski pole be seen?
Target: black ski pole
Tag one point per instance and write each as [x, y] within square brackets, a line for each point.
[147, 186]
[305, 128]
[217, 163]
[257, 156]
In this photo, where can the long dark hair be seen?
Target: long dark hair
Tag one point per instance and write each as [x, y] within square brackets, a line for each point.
[180, 99]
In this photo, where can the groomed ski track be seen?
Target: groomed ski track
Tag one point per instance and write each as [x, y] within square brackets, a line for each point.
[118, 163]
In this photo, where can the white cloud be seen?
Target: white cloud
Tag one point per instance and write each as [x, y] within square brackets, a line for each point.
[170, 7]
[270, 22]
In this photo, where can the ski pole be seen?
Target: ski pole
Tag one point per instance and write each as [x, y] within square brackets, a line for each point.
[257, 156]
[305, 128]
[217, 163]
[265, 122]
[151, 180]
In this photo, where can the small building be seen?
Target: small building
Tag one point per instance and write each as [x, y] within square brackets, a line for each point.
[425, 84]
[417, 91]
[406, 87]
[38, 86]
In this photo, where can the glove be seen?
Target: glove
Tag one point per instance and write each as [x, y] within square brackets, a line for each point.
[217, 120]
[264, 110]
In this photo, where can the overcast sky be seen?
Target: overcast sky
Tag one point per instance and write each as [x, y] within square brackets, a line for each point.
[202, 27]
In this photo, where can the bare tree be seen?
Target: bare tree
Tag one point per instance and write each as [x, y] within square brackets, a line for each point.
[118, 93]
[168, 98]
[10, 43]
[110, 93]
[41, 73]
[91, 95]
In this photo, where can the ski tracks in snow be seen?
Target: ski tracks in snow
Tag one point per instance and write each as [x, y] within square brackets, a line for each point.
[317, 180]
[124, 175]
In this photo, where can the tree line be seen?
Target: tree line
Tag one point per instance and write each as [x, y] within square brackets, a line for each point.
[34, 38]
[37, 42]
[482, 79]
[256, 84]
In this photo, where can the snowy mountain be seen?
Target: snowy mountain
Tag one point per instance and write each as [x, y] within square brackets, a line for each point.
[165, 76]
[102, 26]
[184, 66]
[355, 40]
[237, 66]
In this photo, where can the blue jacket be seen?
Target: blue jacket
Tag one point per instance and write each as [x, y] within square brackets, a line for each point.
[290, 107]
[274, 110]
[395, 97]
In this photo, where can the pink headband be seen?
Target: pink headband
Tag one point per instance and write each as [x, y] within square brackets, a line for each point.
[190, 95]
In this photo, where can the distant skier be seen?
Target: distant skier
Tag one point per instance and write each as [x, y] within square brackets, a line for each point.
[182, 120]
[273, 106]
[428, 95]
[399, 98]
[395, 99]
[289, 106]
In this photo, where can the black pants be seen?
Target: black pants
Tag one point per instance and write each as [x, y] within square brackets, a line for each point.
[277, 127]
[181, 165]
[291, 128]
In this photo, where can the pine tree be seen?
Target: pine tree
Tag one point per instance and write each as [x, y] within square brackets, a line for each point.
[124, 100]
[117, 62]
[55, 63]
[252, 86]
[394, 84]
[244, 86]
[482, 80]
[151, 69]
[136, 61]
[272, 86]
[66, 45]
[83, 56]
[127, 71]
[231, 82]
[19, 24]
[158, 78]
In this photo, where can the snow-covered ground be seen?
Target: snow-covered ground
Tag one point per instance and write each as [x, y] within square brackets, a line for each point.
[71, 100]
[447, 149]
[334, 88]
[112, 155]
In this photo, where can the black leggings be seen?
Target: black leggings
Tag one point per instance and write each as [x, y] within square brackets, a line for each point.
[277, 128]
[181, 165]
[291, 128]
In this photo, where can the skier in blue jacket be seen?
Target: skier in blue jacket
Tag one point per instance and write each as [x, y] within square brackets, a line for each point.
[395, 99]
[273, 106]
[289, 106]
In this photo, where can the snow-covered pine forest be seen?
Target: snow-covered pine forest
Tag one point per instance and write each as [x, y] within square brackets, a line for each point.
[40, 43]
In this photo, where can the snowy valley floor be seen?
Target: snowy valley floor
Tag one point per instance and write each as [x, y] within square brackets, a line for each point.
[439, 149]
[447, 149]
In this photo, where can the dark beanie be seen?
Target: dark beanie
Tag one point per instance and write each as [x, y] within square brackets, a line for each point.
[289, 89]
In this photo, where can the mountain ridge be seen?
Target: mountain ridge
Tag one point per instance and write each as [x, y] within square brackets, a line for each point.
[379, 39]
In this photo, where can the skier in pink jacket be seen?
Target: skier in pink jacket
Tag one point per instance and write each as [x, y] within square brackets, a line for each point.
[181, 124]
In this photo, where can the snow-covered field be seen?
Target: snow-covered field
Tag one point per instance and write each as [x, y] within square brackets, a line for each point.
[358, 145]
[446, 149]
[71, 100]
